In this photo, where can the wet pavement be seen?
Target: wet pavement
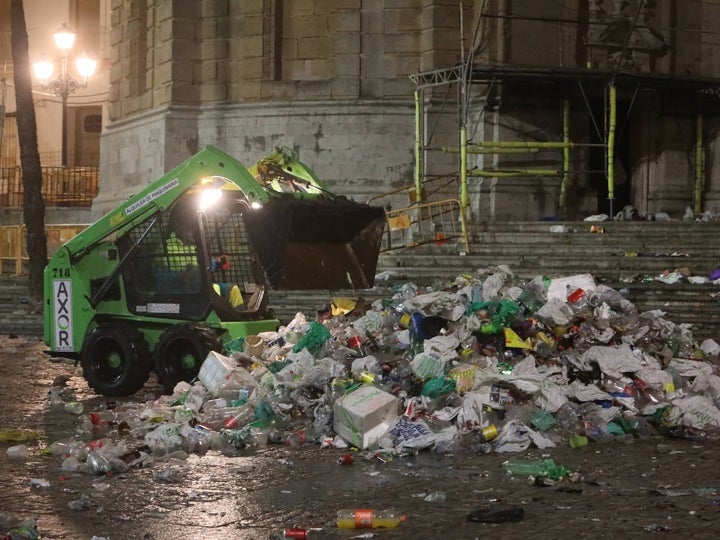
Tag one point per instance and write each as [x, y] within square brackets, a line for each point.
[641, 488]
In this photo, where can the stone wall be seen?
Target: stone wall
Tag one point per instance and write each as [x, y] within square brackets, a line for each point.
[330, 78]
[358, 149]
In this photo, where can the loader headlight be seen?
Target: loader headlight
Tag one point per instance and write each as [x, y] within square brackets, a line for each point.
[255, 205]
[209, 197]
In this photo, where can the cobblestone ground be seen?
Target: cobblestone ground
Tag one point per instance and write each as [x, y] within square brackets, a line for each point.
[654, 486]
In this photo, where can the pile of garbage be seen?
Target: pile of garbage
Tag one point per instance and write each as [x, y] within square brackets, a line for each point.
[486, 364]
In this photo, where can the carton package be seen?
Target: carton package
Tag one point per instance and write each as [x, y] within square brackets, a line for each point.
[222, 375]
[214, 370]
[364, 415]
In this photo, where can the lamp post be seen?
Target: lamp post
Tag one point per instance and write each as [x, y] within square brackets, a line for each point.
[64, 83]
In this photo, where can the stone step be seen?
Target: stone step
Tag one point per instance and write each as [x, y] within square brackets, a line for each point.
[528, 249]
[698, 307]
[21, 323]
[17, 315]
[646, 228]
[625, 255]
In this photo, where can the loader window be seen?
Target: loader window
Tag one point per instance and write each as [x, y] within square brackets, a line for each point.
[232, 261]
[164, 276]
[190, 260]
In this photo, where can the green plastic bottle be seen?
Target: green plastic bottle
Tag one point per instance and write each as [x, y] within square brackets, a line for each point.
[535, 467]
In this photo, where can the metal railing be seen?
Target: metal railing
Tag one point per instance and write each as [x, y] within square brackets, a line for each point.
[413, 221]
[61, 186]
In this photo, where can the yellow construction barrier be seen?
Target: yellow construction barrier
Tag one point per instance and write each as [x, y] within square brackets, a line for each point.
[13, 246]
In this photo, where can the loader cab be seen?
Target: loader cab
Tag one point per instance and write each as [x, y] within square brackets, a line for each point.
[195, 258]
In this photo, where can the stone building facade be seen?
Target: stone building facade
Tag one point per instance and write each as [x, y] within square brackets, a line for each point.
[335, 80]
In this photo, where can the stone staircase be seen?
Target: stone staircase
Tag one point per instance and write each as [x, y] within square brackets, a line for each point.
[627, 256]
[18, 313]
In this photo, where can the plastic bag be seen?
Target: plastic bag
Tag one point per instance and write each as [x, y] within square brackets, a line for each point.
[315, 337]
[438, 386]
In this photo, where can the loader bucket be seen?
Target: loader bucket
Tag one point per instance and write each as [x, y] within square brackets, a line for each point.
[317, 243]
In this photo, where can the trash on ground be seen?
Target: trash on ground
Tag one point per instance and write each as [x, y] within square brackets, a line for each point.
[369, 518]
[487, 362]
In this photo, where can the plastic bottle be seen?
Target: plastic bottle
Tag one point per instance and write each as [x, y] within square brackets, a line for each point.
[535, 467]
[295, 533]
[567, 420]
[197, 441]
[617, 388]
[401, 317]
[533, 296]
[650, 393]
[542, 420]
[234, 439]
[19, 451]
[368, 377]
[296, 438]
[367, 518]
[323, 420]
[356, 343]
[575, 295]
[57, 448]
[55, 397]
[74, 407]
[242, 417]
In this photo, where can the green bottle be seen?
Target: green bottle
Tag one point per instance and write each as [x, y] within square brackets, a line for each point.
[535, 467]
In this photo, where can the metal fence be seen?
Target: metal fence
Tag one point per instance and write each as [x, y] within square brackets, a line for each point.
[61, 186]
[13, 248]
[411, 223]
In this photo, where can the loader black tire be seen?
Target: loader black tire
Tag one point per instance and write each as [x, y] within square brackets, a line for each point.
[115, 359]
[180, 352]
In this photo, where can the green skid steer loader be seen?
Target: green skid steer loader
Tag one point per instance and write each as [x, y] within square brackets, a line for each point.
[129, 294]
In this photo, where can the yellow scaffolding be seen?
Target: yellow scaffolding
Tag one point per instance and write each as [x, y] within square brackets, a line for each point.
[686, 95]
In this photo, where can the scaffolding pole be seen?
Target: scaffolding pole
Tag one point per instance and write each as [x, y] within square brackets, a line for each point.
[699, 165]
[510, 173]
[419, 157]
[464, 202]
[562, 203]
[611, 122]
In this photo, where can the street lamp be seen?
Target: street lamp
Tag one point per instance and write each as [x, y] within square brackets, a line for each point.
[64, 84]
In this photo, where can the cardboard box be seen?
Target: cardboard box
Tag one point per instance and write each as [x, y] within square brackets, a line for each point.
[364, 415]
